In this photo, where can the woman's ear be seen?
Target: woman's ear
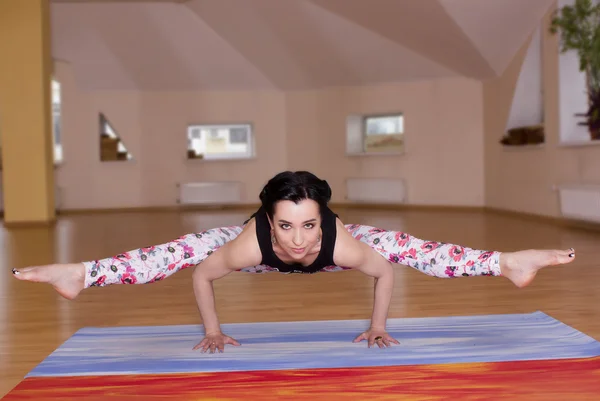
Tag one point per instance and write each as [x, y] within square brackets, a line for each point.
[270, 222]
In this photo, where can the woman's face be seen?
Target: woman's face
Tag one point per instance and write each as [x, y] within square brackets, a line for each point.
[297, 227]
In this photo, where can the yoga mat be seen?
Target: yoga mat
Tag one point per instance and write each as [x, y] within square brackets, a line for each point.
[317, 344]
[560, 380]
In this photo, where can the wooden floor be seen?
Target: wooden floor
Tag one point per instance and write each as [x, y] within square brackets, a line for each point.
[35, 320]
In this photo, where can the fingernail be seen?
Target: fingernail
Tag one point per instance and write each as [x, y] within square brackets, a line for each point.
[572, 250]
[571, 255]
[15, 271]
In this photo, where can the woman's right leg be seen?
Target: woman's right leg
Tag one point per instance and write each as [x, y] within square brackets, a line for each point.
[157, 262]
[138, 266]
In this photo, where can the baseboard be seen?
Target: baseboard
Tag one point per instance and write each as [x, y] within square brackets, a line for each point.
[29, 224]
[252, 206]
[553, 220]
[525, 215]
[159, 209]
[557, 221]
[406, 206]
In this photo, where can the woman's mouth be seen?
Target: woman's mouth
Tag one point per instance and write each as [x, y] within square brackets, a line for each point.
[298, 250]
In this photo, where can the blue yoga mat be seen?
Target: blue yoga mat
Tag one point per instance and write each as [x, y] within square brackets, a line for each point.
[317, 344]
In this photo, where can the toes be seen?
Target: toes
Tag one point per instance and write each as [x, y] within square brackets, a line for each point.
[29, 274]
[23, 274]
[569, 253]
[561, 257]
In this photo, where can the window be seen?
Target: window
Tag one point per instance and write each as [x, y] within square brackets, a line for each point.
[525, 124]
[384, 134]
[219, 142]
[56, 122]
[573, 98]
[111, 146]
[375, 134]
[527, 108]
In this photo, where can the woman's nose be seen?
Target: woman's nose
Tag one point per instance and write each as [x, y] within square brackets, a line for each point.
[297, 239]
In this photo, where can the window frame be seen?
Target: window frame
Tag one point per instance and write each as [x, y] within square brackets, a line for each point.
[250, 142]
[356, 134]
[56, 122]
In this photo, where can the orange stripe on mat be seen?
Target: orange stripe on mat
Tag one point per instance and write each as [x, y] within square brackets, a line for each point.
[568, 379]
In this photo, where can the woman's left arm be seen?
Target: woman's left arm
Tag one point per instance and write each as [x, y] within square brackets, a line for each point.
[355, 254]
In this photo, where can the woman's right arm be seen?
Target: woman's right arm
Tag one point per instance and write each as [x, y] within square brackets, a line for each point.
[237, 254]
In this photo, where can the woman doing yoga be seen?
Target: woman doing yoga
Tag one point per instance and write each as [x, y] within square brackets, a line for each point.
[294, 231]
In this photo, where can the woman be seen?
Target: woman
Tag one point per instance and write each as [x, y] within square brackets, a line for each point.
[294, 231]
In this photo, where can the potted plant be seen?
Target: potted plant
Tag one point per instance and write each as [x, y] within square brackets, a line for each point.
[579, 27]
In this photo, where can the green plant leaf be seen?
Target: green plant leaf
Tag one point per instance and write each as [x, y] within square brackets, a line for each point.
[579, 28]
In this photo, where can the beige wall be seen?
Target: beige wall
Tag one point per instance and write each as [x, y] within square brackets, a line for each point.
[443, 163]
[295, 130]
[152, 126]
[524, 179]
[453, 127]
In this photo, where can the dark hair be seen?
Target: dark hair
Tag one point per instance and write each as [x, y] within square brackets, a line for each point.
[294, 186]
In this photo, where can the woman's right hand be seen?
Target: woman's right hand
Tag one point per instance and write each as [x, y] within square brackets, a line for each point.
[215, 341]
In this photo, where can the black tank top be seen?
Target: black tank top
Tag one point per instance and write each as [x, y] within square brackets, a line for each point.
[269, 258]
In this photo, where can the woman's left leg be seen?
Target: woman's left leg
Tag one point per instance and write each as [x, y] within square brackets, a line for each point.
[433, 258]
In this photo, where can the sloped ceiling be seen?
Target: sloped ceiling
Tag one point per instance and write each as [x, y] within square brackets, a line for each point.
[286, 44]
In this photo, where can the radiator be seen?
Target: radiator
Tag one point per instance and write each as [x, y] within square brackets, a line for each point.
[580, 202]
[376, 190]
[208, 193]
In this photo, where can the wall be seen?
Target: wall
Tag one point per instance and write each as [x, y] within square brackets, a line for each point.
[453, 131]
[153, 128]
[524, 179]
[297, 130]
[443, 163]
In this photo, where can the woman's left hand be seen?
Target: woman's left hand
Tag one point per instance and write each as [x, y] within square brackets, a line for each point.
[376, 337]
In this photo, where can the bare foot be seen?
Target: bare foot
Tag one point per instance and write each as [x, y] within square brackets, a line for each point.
[67, 279]
[522, 266]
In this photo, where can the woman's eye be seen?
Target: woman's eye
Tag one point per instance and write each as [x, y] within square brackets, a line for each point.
[285, 226]
[309, 226]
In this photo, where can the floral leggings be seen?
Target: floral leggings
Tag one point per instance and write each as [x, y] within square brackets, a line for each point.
[154, 263]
